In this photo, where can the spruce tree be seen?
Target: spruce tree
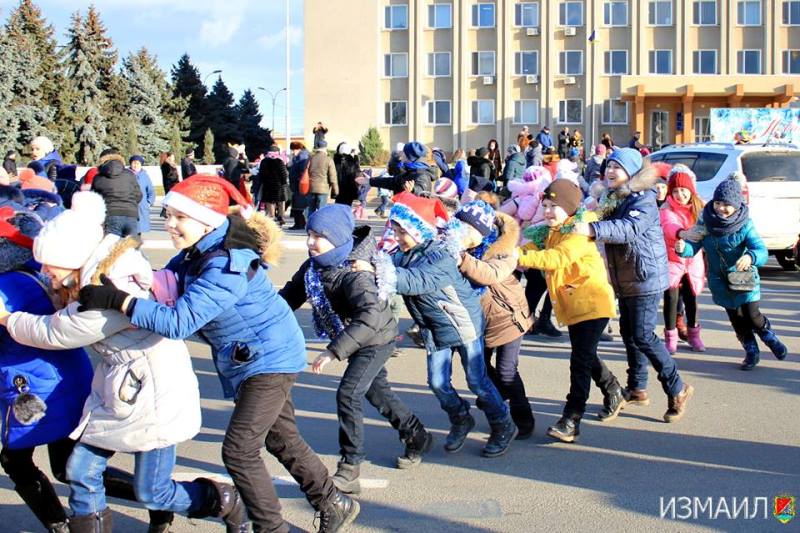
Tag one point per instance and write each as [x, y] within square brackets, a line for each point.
[222, 119]
[256, 138]
[145, 89]
[8, 133]
[208, 147]
[187, 84]
[130, 142]
[371, 147]
[104, 55]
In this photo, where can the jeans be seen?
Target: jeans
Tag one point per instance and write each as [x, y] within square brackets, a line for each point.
[384, 204]
[122, 226]
[366, 375]
[316, 202]
[440, 371]
[535, 287]
[638, 317]
[585, 366]
[152, 483]
[264, 416]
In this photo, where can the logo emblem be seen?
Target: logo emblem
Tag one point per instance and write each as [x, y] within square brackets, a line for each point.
[784, 508]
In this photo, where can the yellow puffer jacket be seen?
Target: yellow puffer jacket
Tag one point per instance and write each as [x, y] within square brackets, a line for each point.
[576, 275]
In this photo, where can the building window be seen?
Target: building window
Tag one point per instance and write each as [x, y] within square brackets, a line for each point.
[439, 64]
[615, 111]
[616, 62]
[526, 111]
[483, 111]
[749, 12]
[570, 111]
[570, 62]
[439, 112]
[748, 61]
[660, 62]
[526, 63]
[702, 129]
[615, 13]
[660, 13]
[704, 61]
[395, 17]
[483, 16]
[483, 63]
[395, 113]
[791, 13]
[395, 65]
[440, 16]
[526, 14]
[791, 61]
[570, 14]
[705, 13]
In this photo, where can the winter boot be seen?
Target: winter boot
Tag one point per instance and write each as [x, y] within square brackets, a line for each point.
[671, 340]
[772, 341]
[752, 355]
[683, 331]
[339, 514]
[415, 335]
[299, 220]
[500, 439]
[566, 429]
[119, 484]
[346, 477]
[635, 397]
[91, 523]
[613, 403]
[459, 429]
[417, 445]
[677, 404]
[522, 415]
[544, 326]
[223, 501]
[41, 498]
[694, 340]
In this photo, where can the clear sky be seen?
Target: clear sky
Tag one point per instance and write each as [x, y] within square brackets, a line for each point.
[246, 39]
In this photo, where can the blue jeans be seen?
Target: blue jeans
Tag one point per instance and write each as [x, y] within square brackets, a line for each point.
[316, 202]
[152, 484]
[122, 226]
[440, 370]
[638, 318]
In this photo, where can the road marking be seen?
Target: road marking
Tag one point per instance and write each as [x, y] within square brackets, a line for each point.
[366, 483]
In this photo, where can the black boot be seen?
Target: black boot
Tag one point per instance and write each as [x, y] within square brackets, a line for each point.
[119, 484]
[92, 523]
[500, 439]
[522, 415]
[41, 498]
[772, 341]
[341, 512]
[299, 220]
[346, 477]
[613, 403]
[752, 355]
[459, 429]
[417, 445]
[544, 326]
[223, 501]
[566, 429]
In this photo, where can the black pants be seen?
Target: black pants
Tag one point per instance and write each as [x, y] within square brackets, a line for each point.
[19, 465]
[264, 416]
[585, 366]
[672, 298]
[505, 376]
[366, 376]
[745, 320]
[535, 287]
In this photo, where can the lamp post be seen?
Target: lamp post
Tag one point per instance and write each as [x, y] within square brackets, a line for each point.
[274, 97]
[211, 74]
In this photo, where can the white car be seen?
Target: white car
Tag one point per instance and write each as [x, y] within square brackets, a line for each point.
[773, 185]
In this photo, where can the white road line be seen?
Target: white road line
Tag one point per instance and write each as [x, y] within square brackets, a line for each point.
[366, 483]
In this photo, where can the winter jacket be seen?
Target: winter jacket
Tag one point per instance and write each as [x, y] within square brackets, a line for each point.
[169, 176]
[421, 173]
[354, 298]
[148, 199]
[675, 218]
[634, 242]
[118, 187]
[722, 254]
[188, 168]
[10, 166]
[296, 169]
[593, 169]
[576, 276]
[461, 176]
[534, 157]
[496, 159]
[347, 169]
[394, 163]
[515, 167]
[322, 173]
[232, 167]
[144, 393]
[564, 144]
[45, 204]
[48, 166]
[319, 135]
[481, 172]
[504, 305]
[226, 296]
[272, 180]
[544, 139]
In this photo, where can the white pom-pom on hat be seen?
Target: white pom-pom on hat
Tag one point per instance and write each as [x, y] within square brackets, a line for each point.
[90, 205]
[69, 239]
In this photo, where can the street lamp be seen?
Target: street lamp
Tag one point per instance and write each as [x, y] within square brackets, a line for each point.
[211, 74]
[274, 97]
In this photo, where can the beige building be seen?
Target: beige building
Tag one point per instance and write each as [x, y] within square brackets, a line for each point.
[456, 73]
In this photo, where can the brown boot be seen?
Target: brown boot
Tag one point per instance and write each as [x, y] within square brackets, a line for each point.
[681, 326]
[635, 396]
[677, 404]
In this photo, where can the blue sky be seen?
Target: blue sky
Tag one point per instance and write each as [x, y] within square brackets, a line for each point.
[245, 39]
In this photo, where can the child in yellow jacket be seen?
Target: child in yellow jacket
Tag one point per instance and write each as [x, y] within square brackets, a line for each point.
[582, 300]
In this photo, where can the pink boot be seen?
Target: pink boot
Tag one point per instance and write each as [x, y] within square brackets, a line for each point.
[671, 340]
[694, 340]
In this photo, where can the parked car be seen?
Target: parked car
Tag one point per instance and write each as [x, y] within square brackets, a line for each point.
[773, 185]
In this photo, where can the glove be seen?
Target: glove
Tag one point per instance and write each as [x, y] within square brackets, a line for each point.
[105, 296]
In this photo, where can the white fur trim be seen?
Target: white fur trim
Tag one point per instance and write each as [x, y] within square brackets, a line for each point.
[199, 212]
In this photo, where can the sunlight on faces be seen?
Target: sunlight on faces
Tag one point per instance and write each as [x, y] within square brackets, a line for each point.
[661, 191]
[37, 151]
[136, 166]
[616, 175]
[682, 195]
[554, 215]
[317, 244]
[184, 230]
[405, 241]
[470, 237]
[723, 210]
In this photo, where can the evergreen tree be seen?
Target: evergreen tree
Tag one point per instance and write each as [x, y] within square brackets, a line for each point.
[256, 138]
[186, 84]
[8, 133]
[104, 56]
[145, 89]
[130, 142]
[222, 119]
[371, 147]
[208, 147]
[176, 144]
[116, 112]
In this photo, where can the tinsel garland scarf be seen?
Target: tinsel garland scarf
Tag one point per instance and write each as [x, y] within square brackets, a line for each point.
[326, 322]
[538, 234]
[608, 205]
[385, 275]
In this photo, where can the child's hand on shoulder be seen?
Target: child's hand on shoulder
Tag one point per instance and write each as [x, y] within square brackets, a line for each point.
[321, 361]
[359, 265]
[680, 246]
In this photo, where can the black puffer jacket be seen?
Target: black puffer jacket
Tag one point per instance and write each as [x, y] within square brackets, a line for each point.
[272, 181]
[347, 169]
[232, 168]
[422, 177]
[354, 297]
[118, 186]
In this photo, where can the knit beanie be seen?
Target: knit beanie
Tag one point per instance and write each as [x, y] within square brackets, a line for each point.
[477, 214]
[418, 216]
[629, 159]
[481, 152]
[729, 192]
[564, 194]
[446, 188]
[18, 227]
[681, 176]
[344, 149]
[414, 150]
[69, 239]
[205, 198]
[33, 181]
[334, 222]
[138, 158]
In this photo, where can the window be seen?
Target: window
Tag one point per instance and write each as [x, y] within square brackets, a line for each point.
[526, 112]
[616, 62]
[748, 61]
[395, 113]
[483, 111]
[771, 166]
[705, 13]
[570, 62]
[702, 129]
[704, 61]
[526, 63]
[526, 14]
[570, 111]
[395, 65]
[660, 62]
[483, 63]
[660, 13]
[791, 61]
[615, 111]
[395, 17]
[791, 13]
[615, 13]
[705, 165]
[439, 64]
[440, 16]
[749, 12]
[570, 14]
[483, 15]
[439, 112]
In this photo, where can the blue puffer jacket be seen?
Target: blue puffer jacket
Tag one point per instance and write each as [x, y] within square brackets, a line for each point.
[441, 301]
[634, 242]
[236, 310]
[731, 248]
[61, 379]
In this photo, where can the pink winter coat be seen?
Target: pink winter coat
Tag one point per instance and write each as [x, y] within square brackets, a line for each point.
[525, 204]
[674, 218]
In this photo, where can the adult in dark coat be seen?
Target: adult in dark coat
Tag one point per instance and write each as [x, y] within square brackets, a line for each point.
[169, 171]
[481, 171]
[188, 167]
[347, 168]
[10, 163]
[495, 156]
[120, 189]
[273, 183]
[564, 143]
[412, 169]
[297, 167]
[232, 168]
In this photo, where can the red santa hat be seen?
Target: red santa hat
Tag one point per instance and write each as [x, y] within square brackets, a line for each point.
[419, 217]
[206, 198]
[10, 231]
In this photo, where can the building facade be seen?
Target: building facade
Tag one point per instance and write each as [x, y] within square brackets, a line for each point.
[456, 73]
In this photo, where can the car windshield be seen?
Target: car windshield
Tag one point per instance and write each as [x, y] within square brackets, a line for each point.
[771, 166]
[704, 164]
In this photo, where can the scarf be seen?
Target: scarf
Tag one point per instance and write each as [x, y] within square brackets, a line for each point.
[478, 253]
[414, 165]
[685, 211]
[326, 322]
[538, 234]
[719, 226]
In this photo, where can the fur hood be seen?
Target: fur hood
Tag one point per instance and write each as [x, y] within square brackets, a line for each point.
[644, 180]
[110, 157]
[122, 262]
[267, 233]
[507, 239]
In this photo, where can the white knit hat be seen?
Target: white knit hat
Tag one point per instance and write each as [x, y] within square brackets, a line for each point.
[68, 240]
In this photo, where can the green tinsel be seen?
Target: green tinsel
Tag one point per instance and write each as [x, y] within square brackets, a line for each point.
[538, 234]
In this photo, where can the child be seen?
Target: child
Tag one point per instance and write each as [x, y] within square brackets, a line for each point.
[732, 244]
[582, 299]
[489, 240]
[362, 331]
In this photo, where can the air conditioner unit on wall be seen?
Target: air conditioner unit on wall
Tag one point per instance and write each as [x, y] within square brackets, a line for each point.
[532, 31]
[531, 79]
[488, 80]
[569, 80]
[570, 31]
